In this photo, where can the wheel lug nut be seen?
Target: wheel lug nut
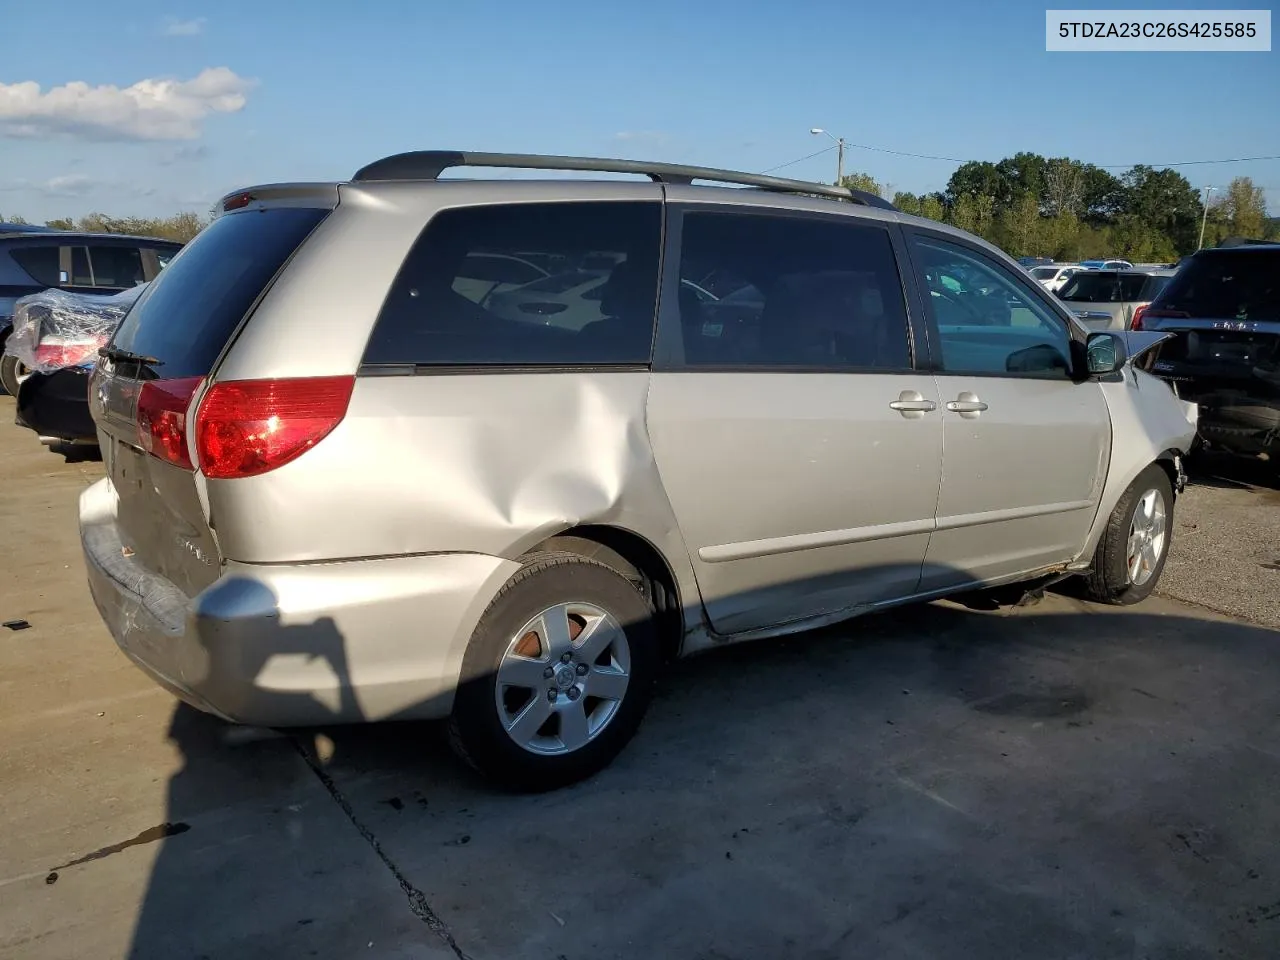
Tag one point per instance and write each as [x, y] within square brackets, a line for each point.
[582, 669]
[566, 657]
[548, 673]
[574, 693]
[551, 694]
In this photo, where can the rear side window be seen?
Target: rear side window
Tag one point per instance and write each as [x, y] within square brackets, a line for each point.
[432, 317]
[40, 262]
[806, 293]
[1227, 286]
[1151, 289]
[114, 266]
[189, 312]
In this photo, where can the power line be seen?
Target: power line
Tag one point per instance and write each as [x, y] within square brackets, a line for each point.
[1103, 166]
[800, 159]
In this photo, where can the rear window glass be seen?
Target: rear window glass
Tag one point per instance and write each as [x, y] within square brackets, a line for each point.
[1227, 286]
[1093, 286]
[40, 262]
[189, 312]
[1044, 273]
[432, 316]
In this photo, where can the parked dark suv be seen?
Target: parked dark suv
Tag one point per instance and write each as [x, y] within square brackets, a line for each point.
[1224, 304]
[37, 258]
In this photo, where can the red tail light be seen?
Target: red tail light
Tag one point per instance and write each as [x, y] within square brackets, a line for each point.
[56, 352]
[162, 418]
[248, 427]
[1137, 317]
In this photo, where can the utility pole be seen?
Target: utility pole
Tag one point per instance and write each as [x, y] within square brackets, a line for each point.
[1204, 217]
[839, 152]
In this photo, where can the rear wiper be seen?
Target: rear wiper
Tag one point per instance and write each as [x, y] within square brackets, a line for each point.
[116, 354]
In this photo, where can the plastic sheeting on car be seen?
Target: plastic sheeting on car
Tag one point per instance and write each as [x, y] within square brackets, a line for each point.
[54, 329]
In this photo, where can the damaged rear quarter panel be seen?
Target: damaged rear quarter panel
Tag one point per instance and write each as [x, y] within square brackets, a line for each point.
[472, 463]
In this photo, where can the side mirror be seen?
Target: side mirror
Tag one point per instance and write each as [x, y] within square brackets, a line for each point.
[1105, 353]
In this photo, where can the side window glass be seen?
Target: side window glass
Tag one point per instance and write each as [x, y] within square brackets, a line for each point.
[763, 290]
[40, 262]
[474, 290]
[119, 267]
[987, 323]
[81, 275]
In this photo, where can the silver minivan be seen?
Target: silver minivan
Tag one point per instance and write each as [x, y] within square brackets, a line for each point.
[340, 488]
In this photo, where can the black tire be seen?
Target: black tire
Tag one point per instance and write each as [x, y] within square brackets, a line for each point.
[9, 375]
[1247, 412]
[1109, 581]
[476, 729]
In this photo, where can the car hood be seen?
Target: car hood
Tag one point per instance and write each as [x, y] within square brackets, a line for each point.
[1138, 342]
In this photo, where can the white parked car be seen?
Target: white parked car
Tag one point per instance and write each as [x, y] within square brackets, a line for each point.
[1053, 276]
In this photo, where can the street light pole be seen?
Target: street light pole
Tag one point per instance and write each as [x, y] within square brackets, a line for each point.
[1204, 217]
[839, 152]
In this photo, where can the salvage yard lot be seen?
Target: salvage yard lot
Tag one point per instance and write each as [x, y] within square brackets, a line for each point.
[1054, 780]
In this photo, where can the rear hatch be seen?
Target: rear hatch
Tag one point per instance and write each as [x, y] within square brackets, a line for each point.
[144, 391]
[1103, 299]
[1225, 306]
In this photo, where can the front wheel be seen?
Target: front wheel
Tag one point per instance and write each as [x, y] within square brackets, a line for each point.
[557, 676]
[1135, 544]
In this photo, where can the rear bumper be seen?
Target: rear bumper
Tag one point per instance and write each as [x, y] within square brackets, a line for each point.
[57, 405]
[295, 645]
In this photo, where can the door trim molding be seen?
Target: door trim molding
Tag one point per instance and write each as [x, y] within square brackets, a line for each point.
[773, 546]
[959, 520]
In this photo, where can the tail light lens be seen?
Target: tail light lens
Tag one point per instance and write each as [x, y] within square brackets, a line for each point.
[1137, 317]
[162, 418]
[249, 427]
[54, 353]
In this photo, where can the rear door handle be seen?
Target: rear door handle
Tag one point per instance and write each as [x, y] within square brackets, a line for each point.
[912, 404]
[967, 405]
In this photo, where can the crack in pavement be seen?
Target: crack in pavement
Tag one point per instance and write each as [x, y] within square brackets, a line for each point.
[417, 899]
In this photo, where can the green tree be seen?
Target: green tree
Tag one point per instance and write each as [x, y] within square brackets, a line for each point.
[907, 203]
[12, 219]
[181, 227]
[1163, 200]
[1103, 194]
[977, 178]
[1019, 227]
[931, 207]
[1246, 208]
[1023, 173]
[862, 181]
[975, 214]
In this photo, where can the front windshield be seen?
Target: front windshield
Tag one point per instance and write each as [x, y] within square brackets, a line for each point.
[1044, 273]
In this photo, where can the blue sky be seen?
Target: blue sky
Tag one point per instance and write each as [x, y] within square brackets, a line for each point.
[240, 93]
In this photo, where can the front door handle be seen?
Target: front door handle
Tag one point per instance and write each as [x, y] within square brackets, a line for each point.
[912, 404]
[967, 405]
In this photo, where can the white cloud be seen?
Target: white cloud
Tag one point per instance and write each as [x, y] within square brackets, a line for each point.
[70, 185]
[184, 28]
[151, 109]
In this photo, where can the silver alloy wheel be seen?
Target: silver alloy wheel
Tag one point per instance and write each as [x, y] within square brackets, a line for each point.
[562, 678]
[1148, 532]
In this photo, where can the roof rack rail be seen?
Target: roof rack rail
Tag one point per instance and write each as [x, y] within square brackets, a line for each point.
[429, 164]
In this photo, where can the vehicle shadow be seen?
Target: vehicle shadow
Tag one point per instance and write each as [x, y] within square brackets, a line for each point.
[937, 780]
